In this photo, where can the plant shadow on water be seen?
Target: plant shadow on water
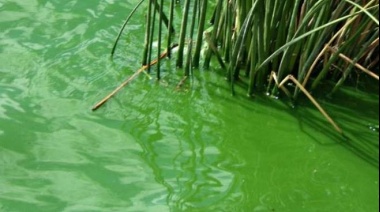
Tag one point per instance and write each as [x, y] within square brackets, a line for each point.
[360, 140]
[357, 111]
[185, 153]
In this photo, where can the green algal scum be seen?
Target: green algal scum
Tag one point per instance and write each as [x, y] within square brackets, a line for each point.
[268, 43]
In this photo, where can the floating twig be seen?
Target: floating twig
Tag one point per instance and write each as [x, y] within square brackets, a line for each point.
[126, 82]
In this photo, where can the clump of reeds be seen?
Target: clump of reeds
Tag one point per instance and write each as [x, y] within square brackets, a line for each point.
[292, 37]
[269, 42]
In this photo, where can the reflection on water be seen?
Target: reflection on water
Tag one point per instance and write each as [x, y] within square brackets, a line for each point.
[180, 146]
[152, 148]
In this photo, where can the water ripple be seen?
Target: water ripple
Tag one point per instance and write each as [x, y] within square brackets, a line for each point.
[150, 148]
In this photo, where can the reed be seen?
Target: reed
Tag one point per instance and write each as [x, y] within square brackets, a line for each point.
[188, 66]
[304, 42]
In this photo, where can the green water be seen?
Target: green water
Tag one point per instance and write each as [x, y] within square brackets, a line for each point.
[152, 148]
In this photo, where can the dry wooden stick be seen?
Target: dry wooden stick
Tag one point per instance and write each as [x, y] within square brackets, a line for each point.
[103, 101]
[357, 65]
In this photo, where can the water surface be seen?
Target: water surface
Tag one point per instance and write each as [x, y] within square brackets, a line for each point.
[152, 148]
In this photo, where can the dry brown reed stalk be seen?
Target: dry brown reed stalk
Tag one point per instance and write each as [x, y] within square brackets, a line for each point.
[333, 41]
[126, 82]
[357, 65]
[309, 96]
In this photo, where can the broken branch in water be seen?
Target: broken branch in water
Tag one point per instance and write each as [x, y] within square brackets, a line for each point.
[142, 69]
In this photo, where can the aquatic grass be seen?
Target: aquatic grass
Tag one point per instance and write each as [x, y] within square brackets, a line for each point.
[123, 27]
[298, 42]
[376, 20]
[201, 28]
[182, 36]
[281, 33]
[147, 34]
[159, 38]
[212, 39]
[348, 39]
[188, 66]
[171, 32]
[151, 31]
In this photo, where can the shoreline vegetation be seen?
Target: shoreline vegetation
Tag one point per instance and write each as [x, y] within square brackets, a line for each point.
[279, 47]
